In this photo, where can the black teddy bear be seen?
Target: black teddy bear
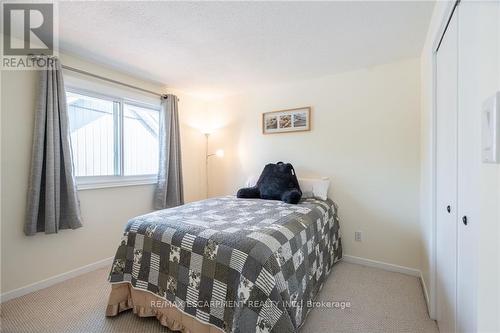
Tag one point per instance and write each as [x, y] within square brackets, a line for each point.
[277, 182]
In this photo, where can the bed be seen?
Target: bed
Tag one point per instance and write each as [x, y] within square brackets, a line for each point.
[226, 264]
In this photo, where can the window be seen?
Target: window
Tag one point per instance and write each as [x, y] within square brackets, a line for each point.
[114, 141]
[140, 143]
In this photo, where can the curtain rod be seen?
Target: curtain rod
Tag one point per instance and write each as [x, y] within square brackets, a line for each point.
[76, 70]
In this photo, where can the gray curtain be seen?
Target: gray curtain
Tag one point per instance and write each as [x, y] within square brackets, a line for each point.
[169, 190]
[52, 198]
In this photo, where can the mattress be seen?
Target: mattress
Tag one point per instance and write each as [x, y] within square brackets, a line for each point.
[240, 265]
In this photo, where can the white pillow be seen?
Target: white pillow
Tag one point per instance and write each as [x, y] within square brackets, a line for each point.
[314, 187]
[311, 187]
[252, 181]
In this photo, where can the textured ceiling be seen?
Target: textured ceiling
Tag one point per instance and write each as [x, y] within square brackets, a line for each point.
[227, 46]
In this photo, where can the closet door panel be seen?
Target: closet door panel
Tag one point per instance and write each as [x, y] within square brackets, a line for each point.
[479, 60]
[469, 161]
[446, 183]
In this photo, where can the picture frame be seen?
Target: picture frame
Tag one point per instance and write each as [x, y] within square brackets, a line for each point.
[286, 121]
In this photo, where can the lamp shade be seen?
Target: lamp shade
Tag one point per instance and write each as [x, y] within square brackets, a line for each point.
[220, 153]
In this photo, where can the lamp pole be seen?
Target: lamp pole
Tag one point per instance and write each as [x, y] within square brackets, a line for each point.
[206, 163]
[218, 153]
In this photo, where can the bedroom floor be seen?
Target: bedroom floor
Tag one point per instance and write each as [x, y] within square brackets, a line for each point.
[380, 301]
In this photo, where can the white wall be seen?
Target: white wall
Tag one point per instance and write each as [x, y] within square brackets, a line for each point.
[365, 137]
[486, 25]
[25, 260]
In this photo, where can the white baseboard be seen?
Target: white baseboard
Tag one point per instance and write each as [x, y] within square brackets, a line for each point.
[54, 279]
[106, 262]
[382, 265]
[426, 292]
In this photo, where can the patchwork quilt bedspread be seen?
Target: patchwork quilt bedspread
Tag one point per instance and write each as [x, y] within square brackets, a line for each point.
[243, 265]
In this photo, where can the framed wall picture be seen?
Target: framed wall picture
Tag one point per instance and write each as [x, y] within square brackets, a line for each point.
[291, 120]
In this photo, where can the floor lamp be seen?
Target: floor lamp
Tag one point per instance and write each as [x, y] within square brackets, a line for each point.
[219, 153]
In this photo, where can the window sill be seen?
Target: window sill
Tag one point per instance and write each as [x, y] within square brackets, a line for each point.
[91, 183]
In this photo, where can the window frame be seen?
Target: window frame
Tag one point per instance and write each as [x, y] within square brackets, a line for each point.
[119, 178]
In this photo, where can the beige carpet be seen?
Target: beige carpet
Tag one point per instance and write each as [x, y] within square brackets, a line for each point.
[380, 302]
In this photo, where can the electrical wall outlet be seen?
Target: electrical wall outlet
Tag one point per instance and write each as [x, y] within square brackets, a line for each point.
[357, 236]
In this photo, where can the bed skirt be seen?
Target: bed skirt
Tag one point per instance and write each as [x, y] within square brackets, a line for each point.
[144, 304]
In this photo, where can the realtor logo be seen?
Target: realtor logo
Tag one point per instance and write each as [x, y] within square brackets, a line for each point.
[28, 29]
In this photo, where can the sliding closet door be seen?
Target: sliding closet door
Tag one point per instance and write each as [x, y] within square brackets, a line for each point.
[472, 21]
[446, 182]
